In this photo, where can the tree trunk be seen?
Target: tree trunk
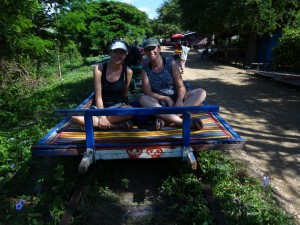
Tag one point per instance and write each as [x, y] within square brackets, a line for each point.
[251, 49]
[58, 63]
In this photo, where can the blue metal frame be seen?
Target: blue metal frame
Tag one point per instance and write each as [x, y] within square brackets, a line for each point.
[228, 127]
[44, 149]
[184, 110]
[54, 129]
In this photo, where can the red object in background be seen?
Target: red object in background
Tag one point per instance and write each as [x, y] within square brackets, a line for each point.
[177, 36]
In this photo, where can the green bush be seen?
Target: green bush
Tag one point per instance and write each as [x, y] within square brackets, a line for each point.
[287, 51]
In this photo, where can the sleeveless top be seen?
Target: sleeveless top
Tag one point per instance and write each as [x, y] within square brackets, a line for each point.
[113, 92]
[162, 83]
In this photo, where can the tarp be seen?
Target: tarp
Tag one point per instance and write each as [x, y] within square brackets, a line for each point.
[177, 36]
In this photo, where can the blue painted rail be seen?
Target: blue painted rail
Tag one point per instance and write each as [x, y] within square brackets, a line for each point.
[184, 110]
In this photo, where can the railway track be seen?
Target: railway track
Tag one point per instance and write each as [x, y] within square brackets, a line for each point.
[85, 178]
[212, 203]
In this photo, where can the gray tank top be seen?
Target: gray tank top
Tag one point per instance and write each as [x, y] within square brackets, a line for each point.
[162, 83]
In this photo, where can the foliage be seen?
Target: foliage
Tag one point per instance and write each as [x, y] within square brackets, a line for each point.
[35, 35]
[29, 106]
[243, 199]
[98, 23]
[169, 20]
[238, 17]
[46, 184]
[185, 196]
[15, 23]
[225, 18]
[35, 46]
[176, 199]
[44, 194]
[287, 51]
[28, 42]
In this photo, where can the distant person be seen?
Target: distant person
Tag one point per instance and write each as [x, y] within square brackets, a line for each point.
[134, 56]
[163, 86]
[111, 82]
[204, 54]
[134, 60]
[184, 55]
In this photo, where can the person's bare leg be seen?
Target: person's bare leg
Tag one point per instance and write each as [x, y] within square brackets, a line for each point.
[120, 122]
[194, 97]
[147, 101]
[80, 120]
[116, 122]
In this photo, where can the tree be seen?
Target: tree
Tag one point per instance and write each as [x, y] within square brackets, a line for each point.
[243, 17]
[15, 25]
[34, 33]
[24, 43]
[287, 51]
[95, 24]
[169, 19]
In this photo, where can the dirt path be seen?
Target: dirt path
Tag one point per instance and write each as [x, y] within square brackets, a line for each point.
[265, 113]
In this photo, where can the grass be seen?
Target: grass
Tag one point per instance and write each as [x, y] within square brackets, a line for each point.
[157, 191]
[167, 188]
[243, 199]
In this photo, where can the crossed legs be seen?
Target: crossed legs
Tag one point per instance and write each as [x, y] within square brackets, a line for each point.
[114, 122]
[192, 98]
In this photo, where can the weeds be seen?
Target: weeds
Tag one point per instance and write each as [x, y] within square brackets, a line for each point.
[37, 190]
[243, 199]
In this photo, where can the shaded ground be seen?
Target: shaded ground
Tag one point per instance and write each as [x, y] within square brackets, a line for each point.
[265, 113]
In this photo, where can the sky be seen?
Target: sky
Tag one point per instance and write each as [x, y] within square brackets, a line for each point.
[147, 6]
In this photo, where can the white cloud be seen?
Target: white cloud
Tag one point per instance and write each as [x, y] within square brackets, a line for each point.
[147, 10]
[128, 1]
[144, 9]
[152, 15]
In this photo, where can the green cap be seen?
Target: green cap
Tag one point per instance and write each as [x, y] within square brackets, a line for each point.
[150, 42]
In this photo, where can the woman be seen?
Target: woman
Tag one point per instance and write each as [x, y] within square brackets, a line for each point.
[163, 86]
[111, 82]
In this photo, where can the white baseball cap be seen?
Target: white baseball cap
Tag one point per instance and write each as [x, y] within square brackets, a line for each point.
[119, 45]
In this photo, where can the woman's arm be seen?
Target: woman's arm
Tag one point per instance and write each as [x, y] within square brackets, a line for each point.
[181, 90]
[146, 84]
[103, 122]
[98, 86]
[129, 77]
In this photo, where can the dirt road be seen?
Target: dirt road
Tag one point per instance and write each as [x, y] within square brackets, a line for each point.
[265, 113]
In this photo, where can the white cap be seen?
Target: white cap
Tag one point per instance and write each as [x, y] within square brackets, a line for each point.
[119, 45]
